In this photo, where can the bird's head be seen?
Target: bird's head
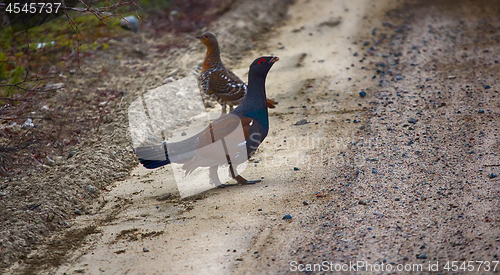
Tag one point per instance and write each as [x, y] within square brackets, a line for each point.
[262, 65]
[207, 39]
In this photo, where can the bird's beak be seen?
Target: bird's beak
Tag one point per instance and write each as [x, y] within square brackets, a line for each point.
[274, 60]
[199, 36]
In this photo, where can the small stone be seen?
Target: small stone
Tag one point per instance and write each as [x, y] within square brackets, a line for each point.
[287, 217]
[305, 203]
[301, 122]
[405, 258]
[422, 256]
[481, 111]
[487, 87]
[78, 212]
[260, 209]
[145, 249]
[91, 189]
[362, 94]
[296, 169]
[183, 134]
[412, 120]
[168, 80]
[493, 175]
[397, 199]
[355, 54]
[362, 202]
[130, 23]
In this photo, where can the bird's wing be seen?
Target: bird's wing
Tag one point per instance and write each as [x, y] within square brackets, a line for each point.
[222, 127]
[234, 131]
[226, 85]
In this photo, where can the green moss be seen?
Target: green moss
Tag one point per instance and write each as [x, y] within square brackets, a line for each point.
[3, 72]
[16, 76]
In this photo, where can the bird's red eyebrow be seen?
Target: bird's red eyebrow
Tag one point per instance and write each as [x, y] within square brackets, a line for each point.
[261, 61]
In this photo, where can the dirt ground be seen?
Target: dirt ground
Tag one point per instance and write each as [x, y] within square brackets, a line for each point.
[401, 177]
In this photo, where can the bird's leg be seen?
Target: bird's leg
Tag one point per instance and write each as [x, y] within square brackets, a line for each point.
[214, 176]
[224, 108]
[230, 108]
[232, 171]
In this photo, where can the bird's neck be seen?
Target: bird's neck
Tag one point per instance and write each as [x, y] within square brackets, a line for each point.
[212, 58]
[255, 98]
[258, 87]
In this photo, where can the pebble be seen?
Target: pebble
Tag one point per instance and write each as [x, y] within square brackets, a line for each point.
[362, 94]
[130, 23]
[78, 212]
[168, 80]
[296, 169]
[397, 199]
[422, 256]
[493, 175]
[305, 203]
[412, 120]
[145, 249]
[481, 111]
[287, 217]
[355, 54]
[301, 122]
[487, 87]
[91, 189]
[362, 202]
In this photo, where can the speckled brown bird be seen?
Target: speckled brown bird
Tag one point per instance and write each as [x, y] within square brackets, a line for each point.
[217, 81]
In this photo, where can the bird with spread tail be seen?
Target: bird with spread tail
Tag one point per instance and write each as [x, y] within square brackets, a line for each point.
[231, 139]
[219, 82]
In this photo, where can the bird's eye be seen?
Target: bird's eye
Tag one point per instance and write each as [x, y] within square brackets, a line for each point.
[261, 61]
[206, 35]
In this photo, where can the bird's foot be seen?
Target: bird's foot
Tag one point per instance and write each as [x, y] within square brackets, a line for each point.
[241, 180]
